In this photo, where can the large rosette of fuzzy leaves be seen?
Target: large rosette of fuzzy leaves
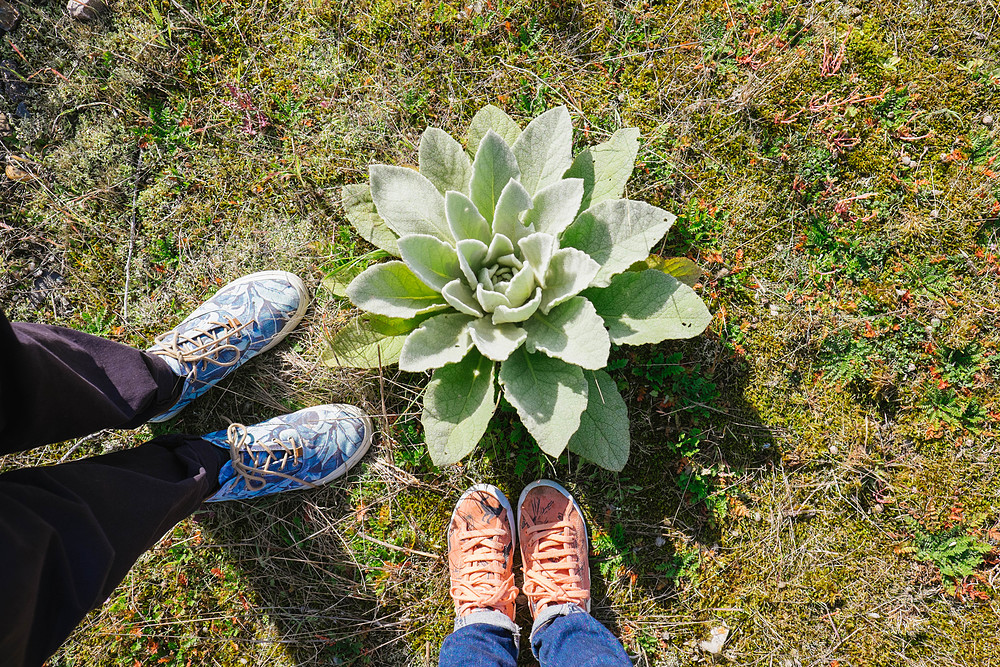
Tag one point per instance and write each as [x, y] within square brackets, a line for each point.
[519, 265]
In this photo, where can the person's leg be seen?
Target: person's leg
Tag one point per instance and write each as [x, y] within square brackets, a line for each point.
[57, 384]
[481, 561]
[69, 533]
[567, 636]
[554, 551]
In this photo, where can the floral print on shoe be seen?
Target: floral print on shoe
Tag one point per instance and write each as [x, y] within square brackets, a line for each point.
[246, 317]
[301, 450]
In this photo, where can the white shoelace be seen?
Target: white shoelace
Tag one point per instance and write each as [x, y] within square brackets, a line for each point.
[201, 345]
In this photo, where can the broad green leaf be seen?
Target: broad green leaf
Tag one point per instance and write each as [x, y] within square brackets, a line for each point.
[443, 339]
[616, 234]
[393, 326]
[393, 290]
[443, 161]
[493, 167]
[570, 272]
[555, 206]
[573, 332]
[548, 394]
[464, 220]
[434, 261]
[648, 307]
[496, 341]
[681, 268]
[491, 118]
[364, 217]
[513, 201]
[544, 150]
[520, 313]
[537, 250]
[603, 435]
[359, 345]
[461, 297]
[458, 404]
[337, 280]
[605, 168]
[408, 202]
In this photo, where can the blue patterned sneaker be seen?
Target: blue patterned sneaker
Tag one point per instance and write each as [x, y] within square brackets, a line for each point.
[246, 317]
[302, 450]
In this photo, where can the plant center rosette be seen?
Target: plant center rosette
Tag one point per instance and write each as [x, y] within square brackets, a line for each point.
[518, 268]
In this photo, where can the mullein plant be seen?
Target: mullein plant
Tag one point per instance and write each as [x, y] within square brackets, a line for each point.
[519, 266]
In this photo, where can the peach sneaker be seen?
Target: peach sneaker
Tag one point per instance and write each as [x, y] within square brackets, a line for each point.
[554, 547]
[481, 552]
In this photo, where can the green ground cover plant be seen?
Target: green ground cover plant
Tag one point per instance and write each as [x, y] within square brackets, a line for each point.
[833, 168]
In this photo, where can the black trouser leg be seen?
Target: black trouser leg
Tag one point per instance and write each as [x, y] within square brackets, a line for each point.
[69, 533]
[57, 384]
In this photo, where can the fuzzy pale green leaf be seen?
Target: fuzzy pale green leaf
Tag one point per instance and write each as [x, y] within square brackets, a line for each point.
[431, 259]
[570, 272]
[364, 217]
[573, 332]
[617, 234]
[458, 404]
[493, 167]
[442, 339]
[548, 394]
[544, 150]
[461, 297]
[464, 219]
[603, 435]
[496, 342]
[513, 201]
[408, 202]
[518, 313]
[393, 290]
[606, 168]
[443, 161]
[555, 206]
[537, 250]
[491, 118]
[648, 307]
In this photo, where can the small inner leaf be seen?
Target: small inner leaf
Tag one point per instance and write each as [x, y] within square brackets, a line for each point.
[493, 167]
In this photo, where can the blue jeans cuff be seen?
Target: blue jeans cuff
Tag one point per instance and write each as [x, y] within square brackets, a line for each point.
[549, 614]
[491, 617]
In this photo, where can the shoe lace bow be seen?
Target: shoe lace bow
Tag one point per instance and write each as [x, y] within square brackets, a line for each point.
[202, 344]
[265, 460]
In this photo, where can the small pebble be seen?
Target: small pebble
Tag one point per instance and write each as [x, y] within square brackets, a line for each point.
[86, 10]
[877, 508]
[9, 16]
[775, 311]
[935, 322]
[834, 450]
[758, 517]
[781, 585]
[935, 214]
[987, 120]
[905, 160]
[22, 111]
